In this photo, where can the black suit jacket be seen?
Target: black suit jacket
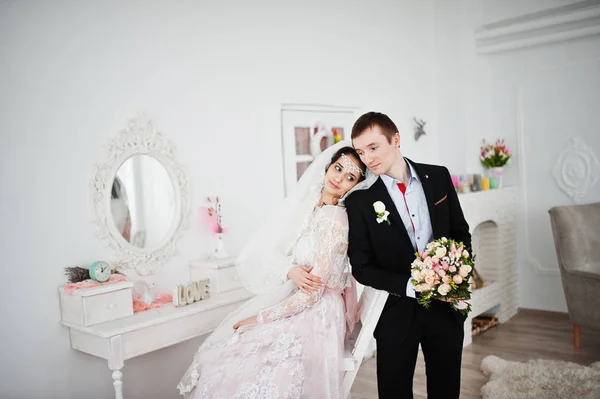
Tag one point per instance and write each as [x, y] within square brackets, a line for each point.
[381, 254]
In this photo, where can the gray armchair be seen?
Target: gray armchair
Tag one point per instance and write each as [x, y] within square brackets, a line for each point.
[576, 231]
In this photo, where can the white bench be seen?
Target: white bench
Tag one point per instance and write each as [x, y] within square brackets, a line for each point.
[372, 302]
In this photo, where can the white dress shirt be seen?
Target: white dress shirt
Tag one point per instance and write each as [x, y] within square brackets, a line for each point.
[413, 210]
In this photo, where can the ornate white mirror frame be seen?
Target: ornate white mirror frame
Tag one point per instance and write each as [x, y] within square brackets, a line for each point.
[137, 138]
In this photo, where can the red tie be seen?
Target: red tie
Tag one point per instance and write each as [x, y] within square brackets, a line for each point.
[402, 188]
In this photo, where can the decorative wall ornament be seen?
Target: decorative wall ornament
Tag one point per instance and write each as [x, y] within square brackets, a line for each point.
[419, 128]
[576, 169]
[139, 137]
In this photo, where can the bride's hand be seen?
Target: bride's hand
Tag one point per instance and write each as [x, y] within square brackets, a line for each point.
[307, 282]
[245, 322]
[450, 300]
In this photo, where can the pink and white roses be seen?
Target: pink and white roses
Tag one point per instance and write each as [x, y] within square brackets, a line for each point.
[443, 271]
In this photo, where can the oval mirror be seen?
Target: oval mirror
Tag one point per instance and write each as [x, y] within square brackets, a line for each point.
[142, 201]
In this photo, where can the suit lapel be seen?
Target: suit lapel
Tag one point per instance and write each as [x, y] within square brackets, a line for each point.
[381, 194]
[428, 190]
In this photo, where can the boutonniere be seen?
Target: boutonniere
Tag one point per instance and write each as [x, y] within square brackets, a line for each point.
[381, 213]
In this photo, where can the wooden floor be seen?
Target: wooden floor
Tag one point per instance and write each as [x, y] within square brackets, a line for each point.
[529, 335]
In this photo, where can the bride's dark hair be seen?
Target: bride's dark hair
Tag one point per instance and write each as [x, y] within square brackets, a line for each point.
[348, 151]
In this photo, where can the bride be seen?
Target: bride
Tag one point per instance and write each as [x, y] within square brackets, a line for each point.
[288, 342]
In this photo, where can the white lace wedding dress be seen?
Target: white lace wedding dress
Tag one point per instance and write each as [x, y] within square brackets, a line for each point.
[296, 350]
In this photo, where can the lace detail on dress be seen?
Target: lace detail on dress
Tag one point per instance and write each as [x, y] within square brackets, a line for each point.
[327, 238]
[339, 281]
[238, 357]
[276, 359]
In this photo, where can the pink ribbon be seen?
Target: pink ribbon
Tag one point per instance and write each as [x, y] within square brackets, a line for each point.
[114, 278]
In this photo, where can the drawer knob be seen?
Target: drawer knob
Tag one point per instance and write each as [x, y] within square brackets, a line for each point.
[111, 306]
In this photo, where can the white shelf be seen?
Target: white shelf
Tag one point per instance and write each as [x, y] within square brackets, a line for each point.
[159, 316]
[485, 298]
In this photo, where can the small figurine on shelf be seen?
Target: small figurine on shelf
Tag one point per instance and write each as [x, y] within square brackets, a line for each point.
[144, 292]
[146, 296]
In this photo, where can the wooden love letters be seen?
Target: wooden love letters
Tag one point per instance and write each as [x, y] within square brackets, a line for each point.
[191, 292]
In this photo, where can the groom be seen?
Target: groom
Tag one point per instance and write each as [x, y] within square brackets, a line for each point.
[423, 206]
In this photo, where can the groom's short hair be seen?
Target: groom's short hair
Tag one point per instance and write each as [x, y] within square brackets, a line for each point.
[372, 119]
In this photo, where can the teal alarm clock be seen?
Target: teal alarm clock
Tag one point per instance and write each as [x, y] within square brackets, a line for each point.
[100, 271]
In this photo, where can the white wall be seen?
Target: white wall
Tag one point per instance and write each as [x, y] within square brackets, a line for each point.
[209, 75]
[549, 94]
[537, 98]
[457, 73]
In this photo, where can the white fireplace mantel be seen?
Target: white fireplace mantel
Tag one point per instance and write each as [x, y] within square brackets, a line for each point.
[492, 218]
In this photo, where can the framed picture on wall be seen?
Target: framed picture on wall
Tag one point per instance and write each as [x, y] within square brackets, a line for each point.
[306, 131]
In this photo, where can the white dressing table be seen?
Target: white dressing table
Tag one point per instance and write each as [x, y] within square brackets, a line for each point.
[141, 204]
[148, 331]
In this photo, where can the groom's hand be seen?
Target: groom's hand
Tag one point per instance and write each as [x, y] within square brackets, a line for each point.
[305, 281]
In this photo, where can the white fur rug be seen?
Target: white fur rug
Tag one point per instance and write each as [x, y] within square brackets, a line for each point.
[547, 379]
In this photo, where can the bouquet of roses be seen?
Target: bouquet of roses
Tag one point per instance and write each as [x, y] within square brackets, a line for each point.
[443, 271]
